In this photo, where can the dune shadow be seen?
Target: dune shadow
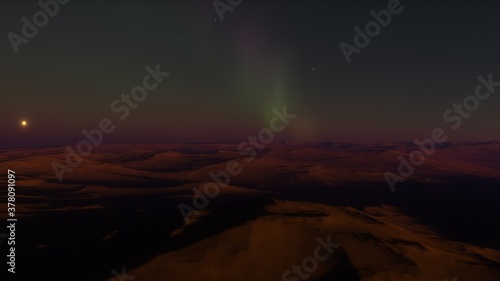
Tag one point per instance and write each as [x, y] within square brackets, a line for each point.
[463, 210]
[345, 270]
[74, 240]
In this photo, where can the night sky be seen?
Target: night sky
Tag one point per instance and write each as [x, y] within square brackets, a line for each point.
[227, 76]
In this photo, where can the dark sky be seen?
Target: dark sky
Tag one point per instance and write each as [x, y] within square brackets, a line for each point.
[226, 77]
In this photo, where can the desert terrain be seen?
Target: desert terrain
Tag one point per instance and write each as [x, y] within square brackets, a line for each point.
[118, 212]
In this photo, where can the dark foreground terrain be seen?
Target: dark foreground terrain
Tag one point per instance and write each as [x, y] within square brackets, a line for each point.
[119, 212]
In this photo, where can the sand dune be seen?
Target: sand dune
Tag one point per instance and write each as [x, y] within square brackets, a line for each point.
[119, 208]
[376, 244]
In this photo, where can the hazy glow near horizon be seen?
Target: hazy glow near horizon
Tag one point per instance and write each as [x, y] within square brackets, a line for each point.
[226, 77]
